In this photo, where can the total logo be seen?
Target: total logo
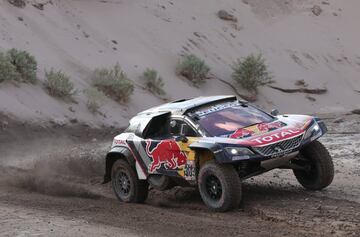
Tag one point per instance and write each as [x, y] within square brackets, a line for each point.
[276, 136]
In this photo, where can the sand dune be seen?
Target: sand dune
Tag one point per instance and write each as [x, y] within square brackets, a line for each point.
[78, 36]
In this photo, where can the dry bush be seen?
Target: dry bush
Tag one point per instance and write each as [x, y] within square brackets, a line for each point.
[59, 84]
[251, 72]
[113, 82]
[24, 63]
[18, 3]
[7, 69]
[193, 68]
[95, 99]
[153, 82]
[316, 10]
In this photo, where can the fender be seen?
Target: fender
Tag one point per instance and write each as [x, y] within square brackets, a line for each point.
[214, 148]
[117, 152]
[322, 126]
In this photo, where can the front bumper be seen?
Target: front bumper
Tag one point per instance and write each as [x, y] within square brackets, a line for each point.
[280, 149]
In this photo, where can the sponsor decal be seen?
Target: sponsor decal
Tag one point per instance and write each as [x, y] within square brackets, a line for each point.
[189, 171]
[216, 108]
[165, 152]
[241, 133]
[119, 142]
[276, 136]
[257, 129]
[265, 127]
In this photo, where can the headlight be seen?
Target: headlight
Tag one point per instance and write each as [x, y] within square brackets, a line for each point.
[313, 132]
[238, 151]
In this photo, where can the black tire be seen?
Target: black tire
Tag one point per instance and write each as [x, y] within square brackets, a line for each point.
[126, 185]
[321, 172]
[219, 186]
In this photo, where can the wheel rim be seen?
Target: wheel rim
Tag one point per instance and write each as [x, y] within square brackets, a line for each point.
[123, 185]
[213, 187]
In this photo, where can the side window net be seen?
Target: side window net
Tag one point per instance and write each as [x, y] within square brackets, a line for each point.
[158, 127]
[175, 128]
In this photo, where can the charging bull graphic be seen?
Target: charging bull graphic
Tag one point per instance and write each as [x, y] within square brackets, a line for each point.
[241, 133]
[254, 130]
[265, 127]
[166, 152]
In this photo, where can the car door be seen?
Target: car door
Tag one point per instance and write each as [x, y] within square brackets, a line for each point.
[167, 153]
[185, 134]
[161, 149]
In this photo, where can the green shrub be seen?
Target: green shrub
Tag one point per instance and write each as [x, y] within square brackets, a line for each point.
[153, 82]
[25, 64]
[113, 82]
[193, 68]
[251, 72]
[7, 69]
[95, 99]
[59, 84]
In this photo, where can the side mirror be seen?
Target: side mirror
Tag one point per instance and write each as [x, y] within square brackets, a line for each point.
[274, 112]
[183, 129]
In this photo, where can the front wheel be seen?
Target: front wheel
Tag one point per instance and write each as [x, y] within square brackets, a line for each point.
[126, 185]
[219, 186]
[320, 171]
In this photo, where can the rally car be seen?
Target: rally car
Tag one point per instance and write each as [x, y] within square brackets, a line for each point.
[214, 143]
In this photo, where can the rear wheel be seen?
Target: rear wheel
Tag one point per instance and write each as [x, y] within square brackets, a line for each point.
[126, 185]
[320, 168]
[219, 186]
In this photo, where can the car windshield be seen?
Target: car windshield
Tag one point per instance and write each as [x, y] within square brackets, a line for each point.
[224, 119]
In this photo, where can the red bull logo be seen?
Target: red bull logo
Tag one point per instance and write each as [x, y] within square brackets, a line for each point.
[242, 132]
[265, 127]
[262, 128]
[166, 152]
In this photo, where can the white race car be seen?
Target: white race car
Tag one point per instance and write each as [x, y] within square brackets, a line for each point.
[214, 143]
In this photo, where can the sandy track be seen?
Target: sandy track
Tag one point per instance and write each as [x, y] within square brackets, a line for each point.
[60, 193]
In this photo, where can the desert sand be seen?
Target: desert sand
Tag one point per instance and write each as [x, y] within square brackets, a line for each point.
[79, 36]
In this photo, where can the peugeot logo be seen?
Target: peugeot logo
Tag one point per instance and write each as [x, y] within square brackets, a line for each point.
[278, 149]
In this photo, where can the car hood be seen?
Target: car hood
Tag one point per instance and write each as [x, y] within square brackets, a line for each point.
[285, 127]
